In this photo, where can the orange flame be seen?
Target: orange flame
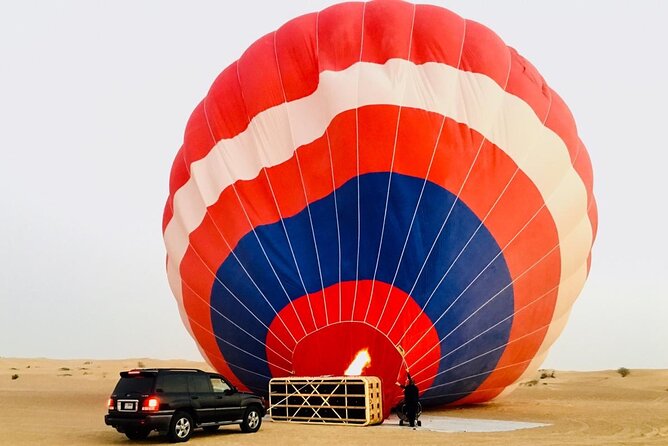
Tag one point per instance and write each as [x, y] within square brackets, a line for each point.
[362, 360]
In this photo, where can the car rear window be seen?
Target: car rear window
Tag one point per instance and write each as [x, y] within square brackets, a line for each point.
[135, 384]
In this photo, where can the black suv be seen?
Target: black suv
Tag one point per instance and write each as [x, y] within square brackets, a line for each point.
[176, 401]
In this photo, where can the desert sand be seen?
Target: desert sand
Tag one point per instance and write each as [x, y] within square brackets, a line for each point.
[63, 402]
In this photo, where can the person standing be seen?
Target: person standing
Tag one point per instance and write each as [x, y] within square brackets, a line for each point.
[411, 399]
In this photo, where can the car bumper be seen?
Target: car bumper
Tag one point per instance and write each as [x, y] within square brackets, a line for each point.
[152, 422]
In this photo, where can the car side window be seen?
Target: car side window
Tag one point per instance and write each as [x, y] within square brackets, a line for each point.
[219, 386]
[172, 382]
[198, 384]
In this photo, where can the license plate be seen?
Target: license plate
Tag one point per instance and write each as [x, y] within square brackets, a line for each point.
[127, 405]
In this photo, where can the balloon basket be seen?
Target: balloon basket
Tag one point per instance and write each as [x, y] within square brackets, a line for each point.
[349, 400]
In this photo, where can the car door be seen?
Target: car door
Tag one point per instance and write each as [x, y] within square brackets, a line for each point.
[203, 400]
[172, 390]
[228, 399]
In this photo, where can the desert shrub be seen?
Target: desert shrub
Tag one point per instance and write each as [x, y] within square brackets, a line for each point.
[15, 376]
[531, 383]
[547, 374]
[64, 369]
[140, 364]
[623, 371]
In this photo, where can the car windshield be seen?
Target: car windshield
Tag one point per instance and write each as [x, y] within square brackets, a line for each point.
[134, 384]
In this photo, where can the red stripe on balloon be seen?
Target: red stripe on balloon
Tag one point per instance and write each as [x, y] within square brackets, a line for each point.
[296, 51]
[438, 36]
[225, 95]
[178, 176]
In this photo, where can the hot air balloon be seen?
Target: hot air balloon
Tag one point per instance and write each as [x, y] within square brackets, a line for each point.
[386, 184]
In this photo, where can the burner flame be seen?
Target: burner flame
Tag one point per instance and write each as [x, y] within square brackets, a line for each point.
[361, 361]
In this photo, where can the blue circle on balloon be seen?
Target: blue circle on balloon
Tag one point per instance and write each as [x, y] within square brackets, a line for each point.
[471, 308]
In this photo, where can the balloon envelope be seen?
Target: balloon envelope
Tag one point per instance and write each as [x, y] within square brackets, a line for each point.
[381, 177]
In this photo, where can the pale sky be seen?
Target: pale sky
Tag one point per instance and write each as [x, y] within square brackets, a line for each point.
[94, 98]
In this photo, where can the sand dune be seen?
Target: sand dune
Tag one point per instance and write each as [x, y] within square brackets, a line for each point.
[62, 402]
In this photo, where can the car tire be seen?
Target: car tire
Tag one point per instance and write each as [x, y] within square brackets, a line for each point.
[210, 428]
[252, 420]
[181, 427]
[137, 434]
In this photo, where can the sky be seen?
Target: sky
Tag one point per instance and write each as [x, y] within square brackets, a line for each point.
[94, 98]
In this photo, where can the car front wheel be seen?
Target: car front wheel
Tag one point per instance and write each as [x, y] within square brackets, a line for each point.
[181, 427]
[252, 420]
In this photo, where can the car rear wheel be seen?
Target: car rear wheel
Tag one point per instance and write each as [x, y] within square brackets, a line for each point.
[252, 420]
[137, 434]
[181, 427]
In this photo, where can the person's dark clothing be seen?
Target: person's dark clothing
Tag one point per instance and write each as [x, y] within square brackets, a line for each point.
[411, 400]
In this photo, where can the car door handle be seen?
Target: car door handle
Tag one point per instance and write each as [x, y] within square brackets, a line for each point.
[194, 397]
[219, 397]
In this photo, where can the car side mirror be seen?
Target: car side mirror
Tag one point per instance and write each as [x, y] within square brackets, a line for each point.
[229, 391]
